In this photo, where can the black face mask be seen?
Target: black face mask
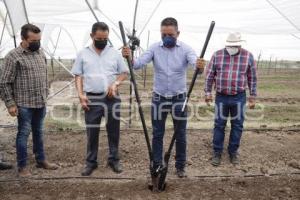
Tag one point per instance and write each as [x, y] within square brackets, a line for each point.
[34, 46]
[100, 44]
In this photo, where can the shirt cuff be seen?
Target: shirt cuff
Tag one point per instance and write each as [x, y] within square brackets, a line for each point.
[10, 103]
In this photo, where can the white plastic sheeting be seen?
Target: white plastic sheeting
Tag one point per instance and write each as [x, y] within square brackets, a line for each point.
[270, 27]
[17, 14]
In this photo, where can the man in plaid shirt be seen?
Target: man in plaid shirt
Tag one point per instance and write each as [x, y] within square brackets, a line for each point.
[231, 69]
[24, 90]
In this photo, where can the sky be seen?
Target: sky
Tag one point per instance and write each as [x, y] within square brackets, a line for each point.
[269, 27]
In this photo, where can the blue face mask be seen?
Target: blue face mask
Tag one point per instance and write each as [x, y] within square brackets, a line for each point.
[169, 41]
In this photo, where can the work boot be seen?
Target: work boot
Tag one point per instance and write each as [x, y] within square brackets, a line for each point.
[5, 165]
[234, 158]
[87, 171]
[46, 165]
[115, 166]
[181, 173]
[24, 172]
[216, 159]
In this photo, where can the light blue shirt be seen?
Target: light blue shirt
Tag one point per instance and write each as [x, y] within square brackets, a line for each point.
[99, 71]
[170, 66]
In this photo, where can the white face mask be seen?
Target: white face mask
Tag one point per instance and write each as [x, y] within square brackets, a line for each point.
[232, 50]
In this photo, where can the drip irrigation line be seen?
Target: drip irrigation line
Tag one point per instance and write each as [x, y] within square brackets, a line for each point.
[229, 176]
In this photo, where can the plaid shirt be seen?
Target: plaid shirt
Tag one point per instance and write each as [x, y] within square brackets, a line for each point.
[23, 78]
[231, 74]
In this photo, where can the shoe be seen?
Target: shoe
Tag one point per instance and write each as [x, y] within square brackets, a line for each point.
[216, 159]
[5, 166]
[46, 165]
[87, 171]
[115, 166]
[23, 172]
[234, 158]
[181, 173]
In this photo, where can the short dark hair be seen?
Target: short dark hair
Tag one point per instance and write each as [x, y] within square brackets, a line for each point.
[25, 29]
[99, 26]
[169, 21]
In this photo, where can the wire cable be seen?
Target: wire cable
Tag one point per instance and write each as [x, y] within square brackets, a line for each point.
[283, 15]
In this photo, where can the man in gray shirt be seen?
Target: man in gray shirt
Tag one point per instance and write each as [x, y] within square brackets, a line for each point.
[99, 69]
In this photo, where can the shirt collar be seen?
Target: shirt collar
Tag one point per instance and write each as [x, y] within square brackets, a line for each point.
[178, 43]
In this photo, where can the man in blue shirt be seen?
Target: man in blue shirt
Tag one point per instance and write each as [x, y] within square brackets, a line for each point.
[99, 69]
[171, 59]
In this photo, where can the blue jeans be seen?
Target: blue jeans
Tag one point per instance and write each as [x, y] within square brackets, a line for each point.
[233, 106]
[30, 119]
[160, 108]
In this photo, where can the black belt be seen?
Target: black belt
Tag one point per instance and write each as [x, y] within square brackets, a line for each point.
[94, 94]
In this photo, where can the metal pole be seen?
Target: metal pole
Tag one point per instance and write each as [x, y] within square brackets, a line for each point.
[258, 60]
[94, 14]
[134, 17]
[135, 87]
[12, 25]
[58, 62]
[4, 25]
[52, 67]
[150, 17]
[133, 48]
[15, 42]
[269, 66]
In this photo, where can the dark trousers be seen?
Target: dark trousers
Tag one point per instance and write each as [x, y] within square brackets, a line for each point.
[233, 106]
[160, 108]
[102, 106]
[30, 119]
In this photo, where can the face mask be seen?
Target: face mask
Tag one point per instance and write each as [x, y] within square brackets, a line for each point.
[169, 41]
[232, 50]
[34, 46]
[100, 44]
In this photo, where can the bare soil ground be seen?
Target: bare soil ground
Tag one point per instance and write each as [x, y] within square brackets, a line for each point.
[250, 188]
[271, 157]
